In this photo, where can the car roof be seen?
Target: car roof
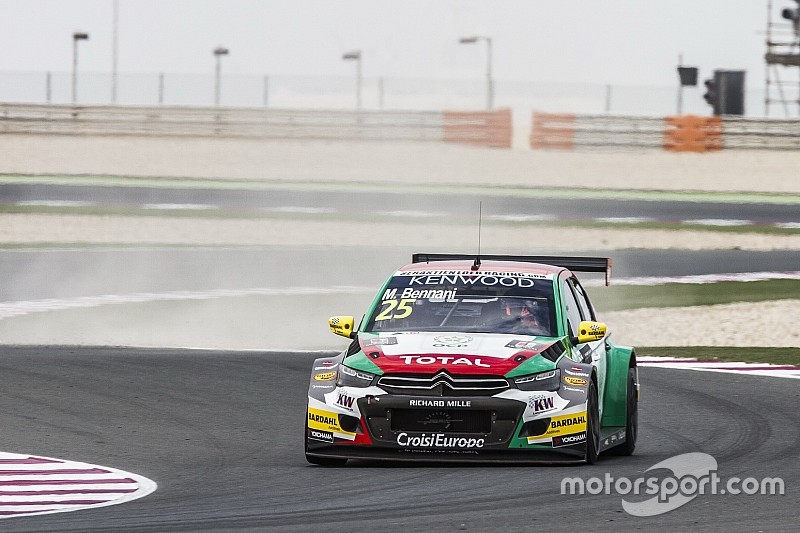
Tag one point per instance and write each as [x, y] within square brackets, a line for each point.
[486, 266]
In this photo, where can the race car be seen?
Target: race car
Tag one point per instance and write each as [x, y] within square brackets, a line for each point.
[490, 358]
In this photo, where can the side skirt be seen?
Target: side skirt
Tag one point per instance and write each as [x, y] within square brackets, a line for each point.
[611, 436]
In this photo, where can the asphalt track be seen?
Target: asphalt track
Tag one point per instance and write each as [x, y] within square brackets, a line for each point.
[378, 203]
[87, 271]
[220, 432]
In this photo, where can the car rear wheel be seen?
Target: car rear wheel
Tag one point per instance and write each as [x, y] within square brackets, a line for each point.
[592, 425]
[631, 419]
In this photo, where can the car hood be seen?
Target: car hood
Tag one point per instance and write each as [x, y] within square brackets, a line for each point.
[457, 353]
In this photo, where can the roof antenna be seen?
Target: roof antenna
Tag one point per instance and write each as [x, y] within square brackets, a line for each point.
[477, 264]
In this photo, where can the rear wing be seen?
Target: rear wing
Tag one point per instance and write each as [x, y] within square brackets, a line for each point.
[576, 264]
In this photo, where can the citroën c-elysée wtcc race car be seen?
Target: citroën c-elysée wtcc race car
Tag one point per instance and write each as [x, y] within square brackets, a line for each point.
[494, 358]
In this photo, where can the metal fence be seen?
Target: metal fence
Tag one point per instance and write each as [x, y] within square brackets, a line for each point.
[568, 131]
[485, 128]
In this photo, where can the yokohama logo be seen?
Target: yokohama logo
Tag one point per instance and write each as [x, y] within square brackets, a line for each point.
[566, 440]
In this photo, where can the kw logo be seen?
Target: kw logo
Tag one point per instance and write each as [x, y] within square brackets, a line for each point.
[345, 401]
[541, 404]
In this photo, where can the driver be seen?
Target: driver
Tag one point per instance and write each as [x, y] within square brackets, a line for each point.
[530, 314]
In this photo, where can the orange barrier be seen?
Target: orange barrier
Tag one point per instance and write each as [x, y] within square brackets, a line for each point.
[482, 128]
[552, 130]
[690, 133]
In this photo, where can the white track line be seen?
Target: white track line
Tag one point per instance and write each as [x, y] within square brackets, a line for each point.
[20, 308]
[177, 207]
[698, 279]
[727, 367]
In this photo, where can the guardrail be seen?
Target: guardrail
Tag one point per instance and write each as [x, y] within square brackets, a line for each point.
[491, 128]
[483, 128]
[678, 134]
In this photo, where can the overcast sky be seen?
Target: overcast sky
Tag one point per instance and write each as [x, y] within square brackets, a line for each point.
[608, 41]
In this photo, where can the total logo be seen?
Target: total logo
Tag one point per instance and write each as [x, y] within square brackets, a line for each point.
[438, 440]
[430, 360]
[451, 341]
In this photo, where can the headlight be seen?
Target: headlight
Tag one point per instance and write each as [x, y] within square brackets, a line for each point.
[542, 381]
[349, 377]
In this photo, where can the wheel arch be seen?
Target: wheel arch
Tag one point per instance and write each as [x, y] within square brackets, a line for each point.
[620, 359]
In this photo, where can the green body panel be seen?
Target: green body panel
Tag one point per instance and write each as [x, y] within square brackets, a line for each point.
[533, 365]
[376, 301]
[616, 393]
[359, 361]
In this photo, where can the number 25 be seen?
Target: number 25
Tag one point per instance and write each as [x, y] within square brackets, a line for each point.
[402, 309]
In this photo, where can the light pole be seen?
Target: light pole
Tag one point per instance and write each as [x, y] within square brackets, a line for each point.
[355, 55]
[489, 83]
[218, 53]
[114, 47]
[77, 36]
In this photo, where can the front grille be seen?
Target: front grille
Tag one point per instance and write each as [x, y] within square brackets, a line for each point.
[441, 420]
[442, 384]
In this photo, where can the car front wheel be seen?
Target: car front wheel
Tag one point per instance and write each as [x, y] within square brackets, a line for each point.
[592, 425]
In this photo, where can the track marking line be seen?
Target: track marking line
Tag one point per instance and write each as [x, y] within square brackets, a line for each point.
[697, 279]
[727, 367]
[33, 485]
[20, 308]
[177, 207]
[54, 203]
[719, 222]
[300, 209]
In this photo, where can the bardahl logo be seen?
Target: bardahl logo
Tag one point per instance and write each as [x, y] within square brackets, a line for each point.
[574, 381]
[570, 421]
[323, 419]
[325, 376]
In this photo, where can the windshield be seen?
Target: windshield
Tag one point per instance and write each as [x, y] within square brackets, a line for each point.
[465, 301]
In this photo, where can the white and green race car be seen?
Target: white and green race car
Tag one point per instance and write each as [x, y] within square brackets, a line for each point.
[496, 358]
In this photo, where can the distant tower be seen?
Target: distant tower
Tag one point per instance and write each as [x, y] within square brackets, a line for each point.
[783, 50]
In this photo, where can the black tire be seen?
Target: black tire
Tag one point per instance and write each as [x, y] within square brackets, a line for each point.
[631, 419]
[592, 426]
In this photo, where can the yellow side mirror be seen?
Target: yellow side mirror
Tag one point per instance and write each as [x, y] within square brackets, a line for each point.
[342, 325]
[589, 331]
